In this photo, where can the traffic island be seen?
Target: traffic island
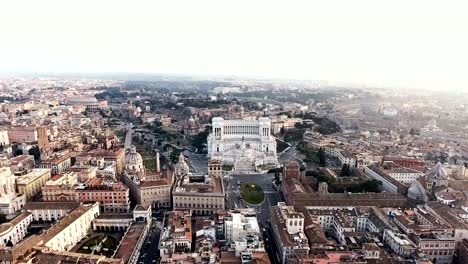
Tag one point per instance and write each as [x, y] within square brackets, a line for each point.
[252, 193]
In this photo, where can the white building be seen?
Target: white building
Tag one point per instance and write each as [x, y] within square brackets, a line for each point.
[13, 232]
[400, 244]
[246, 144]
[71, 229]
[49, 211]
[10, 201]
[240, 223]
[343, 155]
[243, 232]
[404, 175]
[4, 141]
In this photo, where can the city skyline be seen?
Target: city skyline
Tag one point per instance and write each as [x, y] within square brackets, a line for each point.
[415, 45]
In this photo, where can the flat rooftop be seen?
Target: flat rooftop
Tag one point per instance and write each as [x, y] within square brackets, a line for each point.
[129, 241]
[31, 176]
[50, 205]
[69, 257]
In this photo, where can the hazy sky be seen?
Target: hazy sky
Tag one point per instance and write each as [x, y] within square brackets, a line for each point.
[402, 43]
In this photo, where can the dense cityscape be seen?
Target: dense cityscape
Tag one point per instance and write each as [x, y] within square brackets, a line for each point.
[173, 169]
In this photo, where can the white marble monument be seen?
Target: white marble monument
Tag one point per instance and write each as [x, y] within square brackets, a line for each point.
[244, 144]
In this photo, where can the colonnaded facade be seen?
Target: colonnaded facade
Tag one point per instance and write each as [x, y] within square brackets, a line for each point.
[245, 144]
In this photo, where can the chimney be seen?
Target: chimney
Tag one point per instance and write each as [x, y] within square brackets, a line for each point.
[158, 167]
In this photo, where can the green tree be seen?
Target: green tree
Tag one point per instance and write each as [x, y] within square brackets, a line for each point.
[322, 157]
[345, 171]
[174, 157]
[35, 152]
[371, 186]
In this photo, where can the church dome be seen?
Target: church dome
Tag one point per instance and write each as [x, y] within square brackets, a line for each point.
[181, 168]
[438, 172]
[133, 160]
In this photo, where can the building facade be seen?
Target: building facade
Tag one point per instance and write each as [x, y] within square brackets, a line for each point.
[288, 232]
[4, 140]
[202, 194]
[22, 134]
[31, 183]
[57, 165]
[10, 201]
[112, 196]
[176, 237]
[242, 231]
[152, 189]
[71, 229]
[49, 211]
[440, 248]
[13, 232]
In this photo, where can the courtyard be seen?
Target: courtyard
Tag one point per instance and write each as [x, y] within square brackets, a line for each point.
[99, 244]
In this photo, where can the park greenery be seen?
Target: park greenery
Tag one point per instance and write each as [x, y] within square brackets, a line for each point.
[294, 135]
[336, 186]
[206, 103]
[280, 146]
[199, 141]
[346, 170]
[323, 125]
[314, 156]
[112, 94]
[252, 193]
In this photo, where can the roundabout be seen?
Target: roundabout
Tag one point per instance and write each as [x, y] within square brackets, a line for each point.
[252, 193]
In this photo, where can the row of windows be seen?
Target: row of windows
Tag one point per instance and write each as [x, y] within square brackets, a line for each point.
[439, 252]
[295, 223]
[197, 205]
[198, 198]
[156, 192]
[438, 245]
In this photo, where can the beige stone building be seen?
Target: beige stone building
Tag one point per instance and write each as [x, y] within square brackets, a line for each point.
[202, 194]
[215, 168]
[31, 183]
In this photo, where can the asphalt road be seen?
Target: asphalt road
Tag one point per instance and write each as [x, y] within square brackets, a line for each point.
[290, 154]
[128, 138]
[198, 162]
[149, 252]
[272, 197]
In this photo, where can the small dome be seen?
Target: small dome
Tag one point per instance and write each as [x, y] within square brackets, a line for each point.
[438, 172]
[417, 192]
[181, 167]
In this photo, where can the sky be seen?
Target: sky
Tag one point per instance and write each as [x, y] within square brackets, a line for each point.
[406, 44]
